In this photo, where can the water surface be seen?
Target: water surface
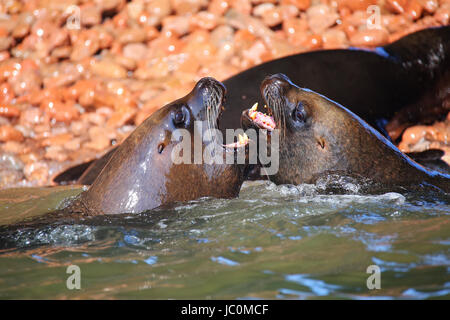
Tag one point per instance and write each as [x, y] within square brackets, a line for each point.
[276, 242]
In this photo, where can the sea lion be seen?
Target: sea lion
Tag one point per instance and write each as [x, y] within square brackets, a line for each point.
[375, 84]
[403, 80]
[320, 137]
[141, 174]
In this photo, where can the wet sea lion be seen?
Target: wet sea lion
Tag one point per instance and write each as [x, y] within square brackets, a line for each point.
[141, 175]
[406, 79]
[320, 137]
[374, 84]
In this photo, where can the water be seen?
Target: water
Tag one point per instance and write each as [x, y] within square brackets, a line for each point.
[276, 242]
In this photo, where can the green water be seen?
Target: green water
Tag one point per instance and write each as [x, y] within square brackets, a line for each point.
[279, 242]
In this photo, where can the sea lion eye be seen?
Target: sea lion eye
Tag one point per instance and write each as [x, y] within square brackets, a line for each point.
[179, 117]
[299, 113]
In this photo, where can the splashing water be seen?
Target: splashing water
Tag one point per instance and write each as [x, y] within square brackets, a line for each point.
[283, 242]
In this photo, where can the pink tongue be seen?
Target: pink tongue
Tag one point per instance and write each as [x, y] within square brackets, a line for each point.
[264, 120]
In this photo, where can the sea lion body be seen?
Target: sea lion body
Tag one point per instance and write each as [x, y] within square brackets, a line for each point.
[404, 81]
[319, 137]
[374, 84]
[141, 174]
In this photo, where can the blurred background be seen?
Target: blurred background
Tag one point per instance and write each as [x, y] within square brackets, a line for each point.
[76, 76]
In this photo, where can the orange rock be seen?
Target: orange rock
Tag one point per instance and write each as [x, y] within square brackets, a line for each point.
[94, 117]
[429, 6]
[370, 38]
[394, 22]
[121, 117]
[242, 6]
[86, 44]
[275, 16]
[396, 6]
[103, 98]
[296, 31]
[256, 52]
[442, 14]
[334, 39]
[413, 10]
[25, 81]
[204, 20]
[30, 117]
[189, 65]
[4, 32]
[36, 171]
[90, 14]
[6, 95]
[108, 69]
[313, 42]
[260, 9]
[243, 38]
[4, 55]
[62, 52]
[57, 140]
[99, 139]
[183, 7]
[9, 111]
[272, 17]
[59, 111]
[165, 45]
[82, 90]
[155, 68]
[9, 133]
[294, 27]
[73, 144]
[56, 153]
[14, 147]
[355, 5]
[348, 28]
[218, 7]
[414, 134]
[120, 20]
[130, 35]
[300, 4]
[105, 39]
[179, 25]
[321, 17]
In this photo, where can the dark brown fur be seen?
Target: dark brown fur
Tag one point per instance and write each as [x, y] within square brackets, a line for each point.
[138, 177]
[331, 139]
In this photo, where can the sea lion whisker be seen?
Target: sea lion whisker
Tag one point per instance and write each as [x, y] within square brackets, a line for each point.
[213, 105]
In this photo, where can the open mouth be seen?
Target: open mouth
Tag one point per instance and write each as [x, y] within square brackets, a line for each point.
[214, 109]
[260, 119]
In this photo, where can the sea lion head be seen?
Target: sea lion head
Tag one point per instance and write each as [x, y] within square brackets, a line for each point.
[158, 163]
[316, 135]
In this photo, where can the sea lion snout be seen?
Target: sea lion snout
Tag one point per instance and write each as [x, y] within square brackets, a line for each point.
[208, 82]
[276, 82]
[210, 88]
[206, 99]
